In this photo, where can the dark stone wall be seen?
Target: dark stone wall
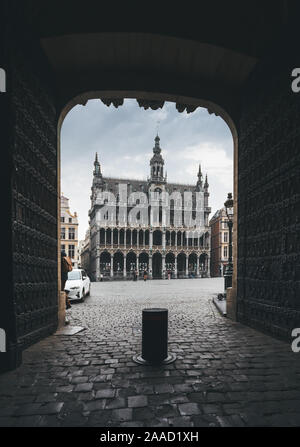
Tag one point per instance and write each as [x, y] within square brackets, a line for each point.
[34, 210]
[269, 196]
[32, 305]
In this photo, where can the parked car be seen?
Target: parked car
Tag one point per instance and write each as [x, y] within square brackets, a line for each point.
[78, 284]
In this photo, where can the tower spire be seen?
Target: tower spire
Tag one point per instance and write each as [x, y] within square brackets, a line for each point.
[157, 163]
[97, 167]
[199, 175]
[98, 181]
[206, 185]
[157, 149]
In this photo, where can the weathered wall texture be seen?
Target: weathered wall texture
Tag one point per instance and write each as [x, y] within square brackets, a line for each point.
[34, 194]
[269, 198]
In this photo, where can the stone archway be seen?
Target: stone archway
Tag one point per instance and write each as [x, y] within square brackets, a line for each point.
[170, 262]
[157, 265]
[118, 264]
[143, 262]
[203, 259]
[105, 261]
[130, 263]
[45, 57]
[144, 99]
[192, 265]
[181, 265]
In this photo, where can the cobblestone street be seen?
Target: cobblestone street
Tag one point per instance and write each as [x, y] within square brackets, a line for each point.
[225, 374]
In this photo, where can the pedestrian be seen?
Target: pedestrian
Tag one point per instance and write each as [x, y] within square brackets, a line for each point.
[169, 274]
[101, 277]
[145, 275]
[65, 267]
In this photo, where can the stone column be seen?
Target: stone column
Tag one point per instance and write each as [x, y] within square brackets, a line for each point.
[111, 265]
[150, 239]
[197, 272]
[164, 239]
[124, 266]
[163, 266]
[125, 236]
[175, 271]
[208, 266]
[137, 265]
[187, 265]
[97, 274]
[61, 310]
[98, 266]
[150, 266]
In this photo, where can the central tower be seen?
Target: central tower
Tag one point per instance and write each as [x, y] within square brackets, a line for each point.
[157, 164]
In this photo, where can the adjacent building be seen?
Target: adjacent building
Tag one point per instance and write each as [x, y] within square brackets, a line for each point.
[219, 243]
[79, 250]
[84, 253]
[118, 247]
[69, 231]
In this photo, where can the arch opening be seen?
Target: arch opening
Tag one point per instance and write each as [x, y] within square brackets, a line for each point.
[180, 265]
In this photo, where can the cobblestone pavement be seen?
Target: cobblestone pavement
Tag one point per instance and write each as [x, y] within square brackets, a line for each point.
[225, 374]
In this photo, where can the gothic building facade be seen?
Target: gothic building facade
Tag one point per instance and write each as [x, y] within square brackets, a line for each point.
[69, 231]
[164, 244]
[219, 243]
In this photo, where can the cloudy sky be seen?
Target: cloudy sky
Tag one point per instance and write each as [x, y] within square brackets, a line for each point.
[124, 139]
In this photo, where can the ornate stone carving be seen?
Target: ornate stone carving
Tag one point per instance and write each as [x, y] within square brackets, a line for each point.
[212, 112]
[114, 101]
[186, 107]
[154, 105]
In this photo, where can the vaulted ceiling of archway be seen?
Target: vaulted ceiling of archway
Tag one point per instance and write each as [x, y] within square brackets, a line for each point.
[145, 62]
[130, 52]
[247, 26]
[93, 47]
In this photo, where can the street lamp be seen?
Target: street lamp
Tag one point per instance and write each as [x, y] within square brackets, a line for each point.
[229, 267]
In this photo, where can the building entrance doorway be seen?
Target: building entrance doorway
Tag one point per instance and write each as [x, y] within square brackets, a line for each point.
[156, 266]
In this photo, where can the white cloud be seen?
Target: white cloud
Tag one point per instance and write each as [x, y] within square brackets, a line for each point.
[213, 158]
[160, 114]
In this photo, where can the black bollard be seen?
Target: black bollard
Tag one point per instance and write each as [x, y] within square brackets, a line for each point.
[154, 338]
